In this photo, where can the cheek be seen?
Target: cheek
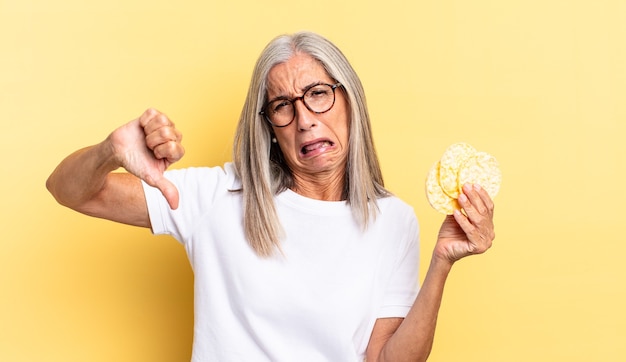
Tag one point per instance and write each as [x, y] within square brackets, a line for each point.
[286, 144]
[343, 131]
[345, 121]
[345, 142]
[282, 136]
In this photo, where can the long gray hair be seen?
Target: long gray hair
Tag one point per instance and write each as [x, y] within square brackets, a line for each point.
[260, 164]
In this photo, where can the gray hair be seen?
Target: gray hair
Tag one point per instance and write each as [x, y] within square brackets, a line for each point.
[260, 164]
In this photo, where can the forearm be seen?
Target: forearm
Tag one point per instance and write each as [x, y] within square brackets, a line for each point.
[413, 339]
[82, 175]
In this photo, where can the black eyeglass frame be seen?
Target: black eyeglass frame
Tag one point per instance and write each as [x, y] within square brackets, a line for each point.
[294, 99]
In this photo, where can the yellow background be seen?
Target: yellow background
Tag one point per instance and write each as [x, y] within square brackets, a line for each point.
[540, 84]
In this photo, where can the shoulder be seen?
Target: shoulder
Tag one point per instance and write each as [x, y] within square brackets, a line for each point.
[397, 220]
[216, 175]
[200, 189]
[393, 206]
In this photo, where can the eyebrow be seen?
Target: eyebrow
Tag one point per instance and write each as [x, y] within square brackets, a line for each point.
[303, 89]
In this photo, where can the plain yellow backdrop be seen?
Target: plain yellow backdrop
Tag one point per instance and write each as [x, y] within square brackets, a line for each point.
[539, 84]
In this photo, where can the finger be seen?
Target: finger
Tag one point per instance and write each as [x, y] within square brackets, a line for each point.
[162, 135]
[476, 216]
[148, 115]
[471, 200]
[167, 188]
[487, 200]
[157, 122]
[474, 205]
[462, 220]
[169, 191]
[151, 120]
[480, 238]
[478, 224]
[170, 151]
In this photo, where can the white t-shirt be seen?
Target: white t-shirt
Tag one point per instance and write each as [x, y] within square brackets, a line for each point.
[318, 301]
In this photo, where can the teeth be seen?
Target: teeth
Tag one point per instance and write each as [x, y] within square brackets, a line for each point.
[315, 146]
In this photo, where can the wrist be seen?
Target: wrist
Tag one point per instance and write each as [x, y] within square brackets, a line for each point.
[441, 264]
[109, 155]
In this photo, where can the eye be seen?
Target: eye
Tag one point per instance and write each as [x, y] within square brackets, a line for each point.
[318, 91]
[280, 105]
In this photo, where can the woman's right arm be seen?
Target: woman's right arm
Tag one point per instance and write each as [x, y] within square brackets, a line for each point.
[145, 147]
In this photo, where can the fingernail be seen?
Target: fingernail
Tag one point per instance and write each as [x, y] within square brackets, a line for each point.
[477, 187]
[467, 187]
[462, 198]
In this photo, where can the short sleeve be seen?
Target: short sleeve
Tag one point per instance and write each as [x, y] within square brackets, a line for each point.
[197, 189]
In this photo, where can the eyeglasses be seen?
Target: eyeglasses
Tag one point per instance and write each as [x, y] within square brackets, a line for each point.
[318, 98]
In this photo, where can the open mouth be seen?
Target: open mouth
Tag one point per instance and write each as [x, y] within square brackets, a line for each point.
[316, 146]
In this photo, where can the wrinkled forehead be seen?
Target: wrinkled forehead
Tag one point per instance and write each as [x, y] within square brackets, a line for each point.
[293, 76]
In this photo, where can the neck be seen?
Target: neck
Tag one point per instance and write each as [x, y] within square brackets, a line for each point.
[326, 187]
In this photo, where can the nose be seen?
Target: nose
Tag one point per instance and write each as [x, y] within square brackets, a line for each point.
[305, 118]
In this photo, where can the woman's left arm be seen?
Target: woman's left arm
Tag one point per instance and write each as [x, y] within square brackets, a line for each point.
[411, 338]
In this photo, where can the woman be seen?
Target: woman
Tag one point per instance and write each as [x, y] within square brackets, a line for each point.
[298, 251]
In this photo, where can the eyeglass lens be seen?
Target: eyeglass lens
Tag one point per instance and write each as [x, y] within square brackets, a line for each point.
[318, 99]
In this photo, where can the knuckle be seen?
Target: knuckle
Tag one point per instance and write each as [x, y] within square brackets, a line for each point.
[149, 113]
[162, 119]
[150, 141]
[169, 134]
[157, 153]
[169, 150]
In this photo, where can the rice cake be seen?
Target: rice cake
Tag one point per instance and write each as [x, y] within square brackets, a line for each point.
[453, 158]
[437, 198]
[481, 169]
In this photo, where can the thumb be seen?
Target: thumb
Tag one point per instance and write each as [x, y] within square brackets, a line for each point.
[167, 188]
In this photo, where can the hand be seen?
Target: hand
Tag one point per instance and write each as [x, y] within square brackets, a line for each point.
[471, 232]
[146, 147]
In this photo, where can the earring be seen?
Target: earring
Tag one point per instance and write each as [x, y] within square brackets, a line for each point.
[274, 140]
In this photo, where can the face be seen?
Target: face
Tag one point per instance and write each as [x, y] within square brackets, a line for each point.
[313, 144]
